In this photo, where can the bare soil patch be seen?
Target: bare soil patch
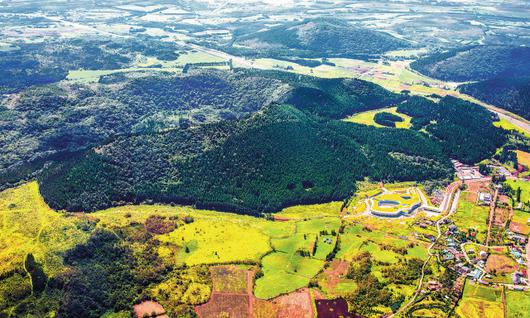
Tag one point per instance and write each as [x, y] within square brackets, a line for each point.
[501, 264]
[148, 308]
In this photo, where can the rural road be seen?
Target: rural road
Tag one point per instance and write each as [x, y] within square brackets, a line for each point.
[528, 260]
[438, 229]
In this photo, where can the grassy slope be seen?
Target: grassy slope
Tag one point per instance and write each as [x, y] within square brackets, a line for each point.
[525, 188]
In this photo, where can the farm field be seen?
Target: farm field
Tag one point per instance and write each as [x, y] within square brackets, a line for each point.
[287, 269]
[523, 157]
[503, 266]
[232, 297]
[469, 215]
[480, 302]
[519, 223]
[367, 118]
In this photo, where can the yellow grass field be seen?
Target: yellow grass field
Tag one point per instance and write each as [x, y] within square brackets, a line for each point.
[299, 212]
[506, 125]
[28, 225]
[209, 242]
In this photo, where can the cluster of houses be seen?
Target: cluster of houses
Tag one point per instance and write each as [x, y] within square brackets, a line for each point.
[472, 263]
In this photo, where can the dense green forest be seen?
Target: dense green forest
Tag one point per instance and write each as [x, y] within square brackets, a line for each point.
[171, 138]
[464, 130]
[512, 94]
[315, 38]
[42, 63]
[276, 158]
[331, 98]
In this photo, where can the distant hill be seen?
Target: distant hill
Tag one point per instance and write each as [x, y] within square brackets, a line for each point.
[317, 38]
[41, 63]
[501, 74]
[276, 158]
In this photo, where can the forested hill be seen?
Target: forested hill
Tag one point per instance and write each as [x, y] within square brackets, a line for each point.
[501, 74]
[510, 93]
[53, 120]
[316, 38]
[44, 121]
[279, 157]
[464, 130]
[331, 98]
[476, 63]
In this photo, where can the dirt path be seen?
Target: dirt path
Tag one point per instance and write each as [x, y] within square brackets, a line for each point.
[251, 299]
[493, 205]
[504, 307]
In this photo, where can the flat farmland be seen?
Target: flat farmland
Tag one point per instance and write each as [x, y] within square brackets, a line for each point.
[480, 302]
[519, 223]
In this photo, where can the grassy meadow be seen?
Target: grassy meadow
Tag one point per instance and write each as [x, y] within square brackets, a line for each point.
[517, 303]
[525, 188]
